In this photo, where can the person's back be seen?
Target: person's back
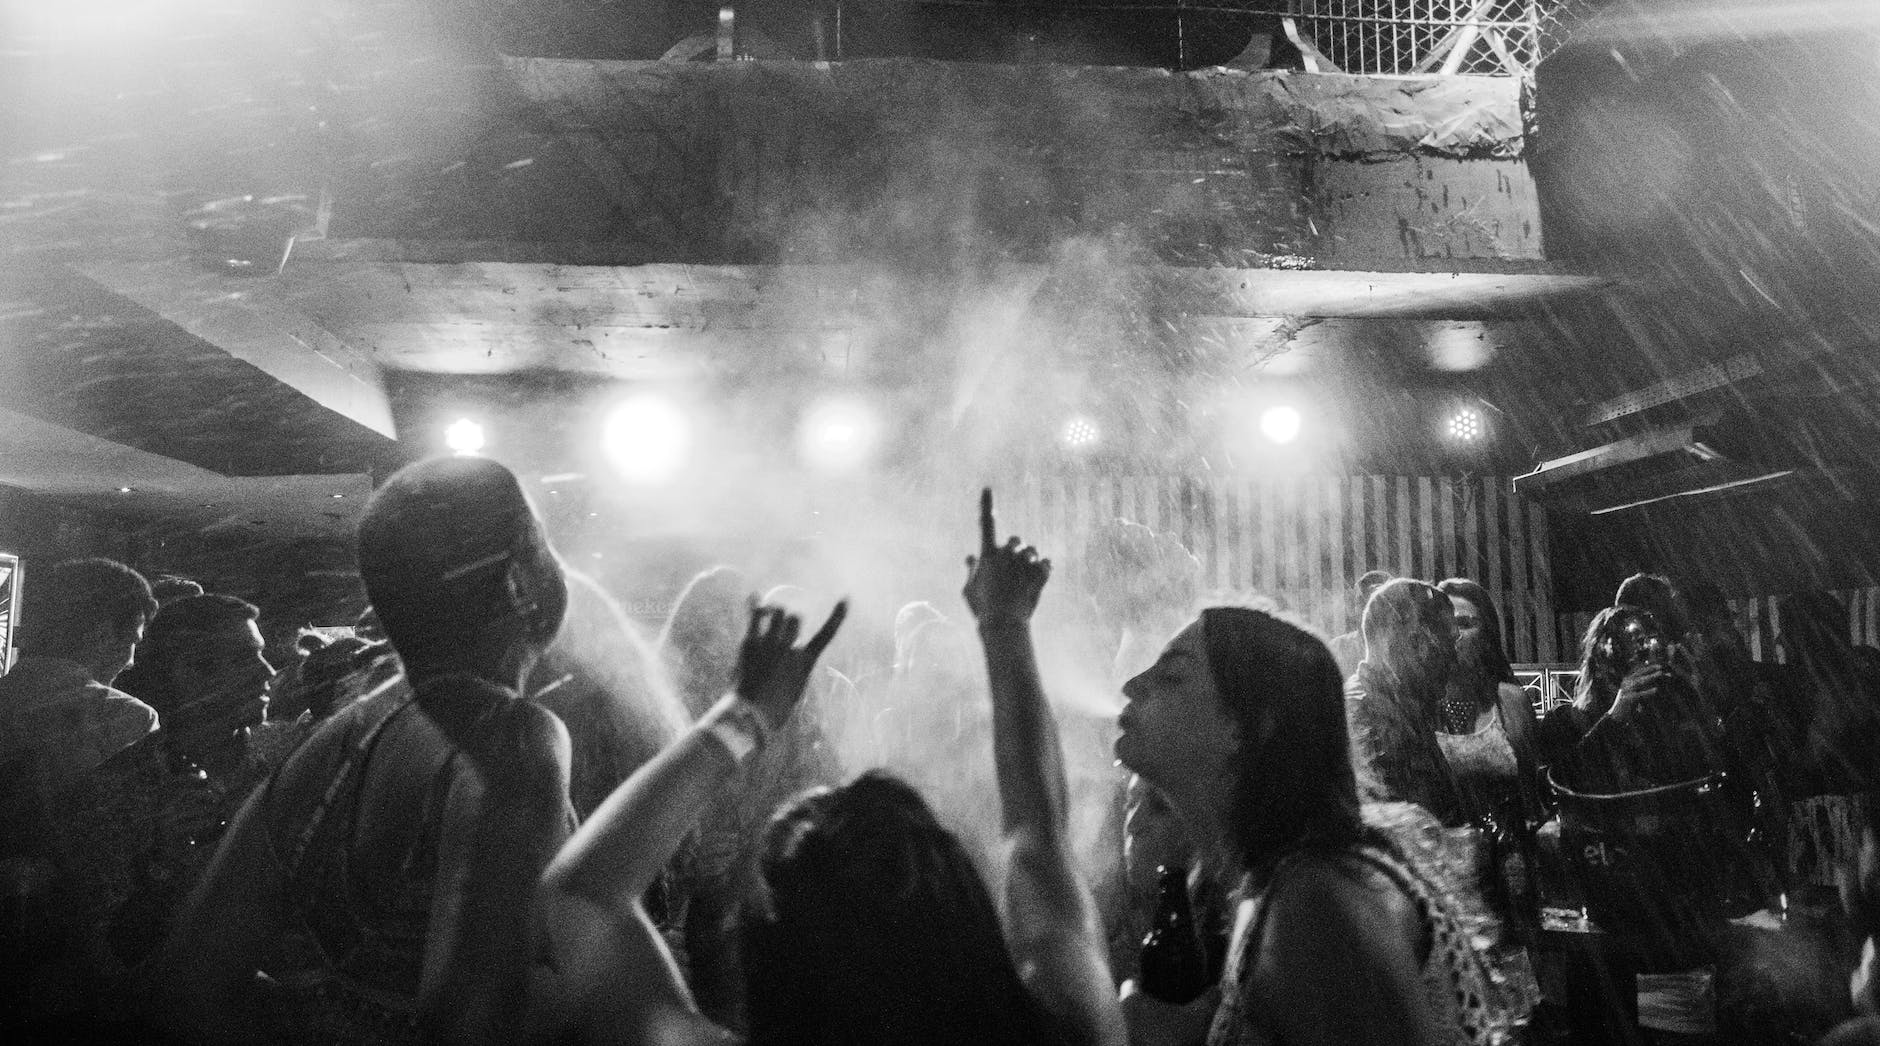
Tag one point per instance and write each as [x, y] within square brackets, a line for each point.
[359, 818]
[66, 847]
[1298, 936]
[79, 626]
[407, 835]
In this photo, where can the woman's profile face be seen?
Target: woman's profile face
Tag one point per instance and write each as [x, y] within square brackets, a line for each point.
[1174, 731]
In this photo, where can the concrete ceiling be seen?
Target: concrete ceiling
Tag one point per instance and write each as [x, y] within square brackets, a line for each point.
[331, 329]
[84, 471]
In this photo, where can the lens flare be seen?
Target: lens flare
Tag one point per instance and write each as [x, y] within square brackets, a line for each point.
[838, 434]
[464, 437]
[648, 439]
[1281, 424]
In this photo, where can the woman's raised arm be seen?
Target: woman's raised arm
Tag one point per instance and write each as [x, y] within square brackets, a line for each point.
[608, 964]
[1051, 920]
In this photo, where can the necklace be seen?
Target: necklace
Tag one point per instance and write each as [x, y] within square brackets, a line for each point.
[1459, 713]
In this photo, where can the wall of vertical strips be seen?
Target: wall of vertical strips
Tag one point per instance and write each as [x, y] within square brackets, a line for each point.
[1759, 618]
[1304, 540]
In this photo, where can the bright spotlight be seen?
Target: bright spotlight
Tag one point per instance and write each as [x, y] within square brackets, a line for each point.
[1079, 433]
[647, 437]
[463, 437]
[1465, 425]
[1281, 424]
[838, 434]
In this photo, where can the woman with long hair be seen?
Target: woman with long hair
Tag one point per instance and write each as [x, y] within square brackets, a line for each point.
[1394, 699]
[872, 927]
[1488, 723]
[1637, 720]
[1341, 936]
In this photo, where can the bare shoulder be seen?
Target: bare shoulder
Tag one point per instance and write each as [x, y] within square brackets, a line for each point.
[537, 744]
[1337, 897]
[1338, 960]
[518, 752]
[538, 729]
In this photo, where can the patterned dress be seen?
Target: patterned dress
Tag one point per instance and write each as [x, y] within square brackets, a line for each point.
[1470, 1002]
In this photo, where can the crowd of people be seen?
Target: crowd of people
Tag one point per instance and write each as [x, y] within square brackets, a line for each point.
[496, 811]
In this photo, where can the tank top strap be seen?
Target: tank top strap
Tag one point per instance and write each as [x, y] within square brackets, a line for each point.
[344, 780]
[1466, 995]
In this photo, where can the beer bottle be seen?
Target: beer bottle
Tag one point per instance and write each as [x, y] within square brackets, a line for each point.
[1174, 964]
[1516, 869]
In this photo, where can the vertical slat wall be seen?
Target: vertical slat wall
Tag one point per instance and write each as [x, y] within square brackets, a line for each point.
[1303, 541]
[1760, 620]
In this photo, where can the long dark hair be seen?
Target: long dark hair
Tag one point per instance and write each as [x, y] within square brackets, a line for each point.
[1293, 781]
[1495, 652]
[878, 930]
[1599, 677]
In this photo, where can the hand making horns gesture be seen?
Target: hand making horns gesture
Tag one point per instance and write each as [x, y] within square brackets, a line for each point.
[772, 669]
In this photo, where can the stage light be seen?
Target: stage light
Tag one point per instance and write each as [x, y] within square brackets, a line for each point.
[1460, 345]
[1079, 432]
[838, 434]
[1281, 424]
[1466, 425]
[464, 437]
[647, 437]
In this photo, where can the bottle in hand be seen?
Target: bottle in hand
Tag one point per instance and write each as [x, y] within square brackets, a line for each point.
[1516, 872]
[1174, 964]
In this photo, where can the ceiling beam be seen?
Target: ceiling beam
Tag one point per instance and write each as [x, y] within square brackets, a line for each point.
[1709, 378]
[1550, 475]
[1204, 291]
[77, 468]
[244, 317]
[1704, 479]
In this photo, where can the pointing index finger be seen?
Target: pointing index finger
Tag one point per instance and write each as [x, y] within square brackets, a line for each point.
[987, 538]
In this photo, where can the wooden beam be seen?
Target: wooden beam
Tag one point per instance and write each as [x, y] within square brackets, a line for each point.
[508, 291]
[660, 348]
[244, 317]
[77, 468]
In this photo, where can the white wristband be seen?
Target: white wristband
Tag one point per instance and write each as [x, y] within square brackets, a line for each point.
[734, 723]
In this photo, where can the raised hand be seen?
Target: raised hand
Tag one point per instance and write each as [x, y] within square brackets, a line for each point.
[772, 669]
[1638, 689]
[1004, 581]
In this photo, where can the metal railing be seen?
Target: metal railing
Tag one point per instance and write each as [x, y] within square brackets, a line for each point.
[1408, 37]
[1548, 685]
[1375, 37]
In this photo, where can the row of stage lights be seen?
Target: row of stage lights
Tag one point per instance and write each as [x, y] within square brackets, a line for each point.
[649, 438]
[1280, 425]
